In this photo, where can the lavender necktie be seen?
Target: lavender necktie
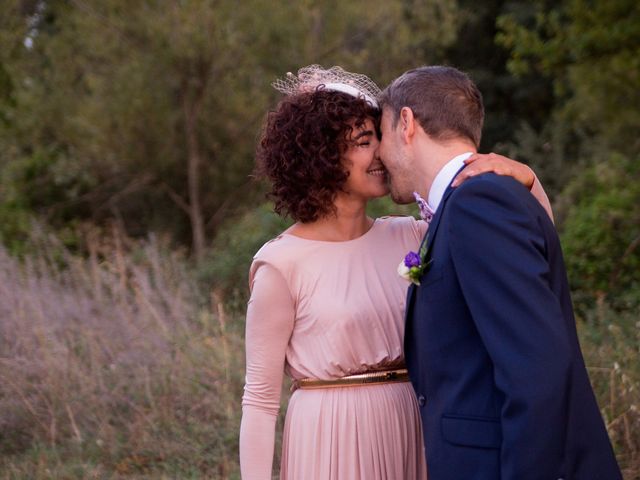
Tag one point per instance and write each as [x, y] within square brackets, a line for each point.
[426, 212]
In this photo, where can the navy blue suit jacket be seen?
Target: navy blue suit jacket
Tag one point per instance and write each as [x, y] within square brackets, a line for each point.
[492, 349]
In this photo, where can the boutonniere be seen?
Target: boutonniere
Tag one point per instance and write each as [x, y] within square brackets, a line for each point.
[414, 265]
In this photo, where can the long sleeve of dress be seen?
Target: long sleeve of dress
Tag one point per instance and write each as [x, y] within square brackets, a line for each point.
[538, 192]
[270, 319]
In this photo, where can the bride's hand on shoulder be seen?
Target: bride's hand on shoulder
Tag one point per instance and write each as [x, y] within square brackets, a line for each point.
[480, 163]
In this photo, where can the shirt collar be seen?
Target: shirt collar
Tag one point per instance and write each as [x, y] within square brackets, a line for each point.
[444, 178]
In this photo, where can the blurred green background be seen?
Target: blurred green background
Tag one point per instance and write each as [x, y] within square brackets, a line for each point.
[129, 213]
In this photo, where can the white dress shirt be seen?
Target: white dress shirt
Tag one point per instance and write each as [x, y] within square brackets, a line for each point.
[444, 178]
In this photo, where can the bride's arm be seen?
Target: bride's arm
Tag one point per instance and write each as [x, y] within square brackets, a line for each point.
[270, 318]
[538, 192]
[479, 163]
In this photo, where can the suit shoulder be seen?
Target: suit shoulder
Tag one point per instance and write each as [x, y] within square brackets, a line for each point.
[493, 197]
[491, 180]
[492, 186]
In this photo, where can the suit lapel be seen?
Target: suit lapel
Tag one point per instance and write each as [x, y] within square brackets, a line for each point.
[411, 292]
[408, 321]
[428, 240]
[435, 223]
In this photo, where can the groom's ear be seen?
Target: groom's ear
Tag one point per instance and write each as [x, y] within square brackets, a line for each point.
[407, 124]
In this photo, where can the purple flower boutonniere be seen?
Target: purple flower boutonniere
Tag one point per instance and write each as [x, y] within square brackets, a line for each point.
[414, 265]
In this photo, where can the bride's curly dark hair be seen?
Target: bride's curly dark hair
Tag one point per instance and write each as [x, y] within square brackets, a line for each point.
[301, 148]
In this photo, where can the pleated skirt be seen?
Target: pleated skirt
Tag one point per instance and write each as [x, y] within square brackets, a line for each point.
[370, 432]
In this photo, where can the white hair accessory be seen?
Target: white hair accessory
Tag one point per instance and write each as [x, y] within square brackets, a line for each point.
[334, 79]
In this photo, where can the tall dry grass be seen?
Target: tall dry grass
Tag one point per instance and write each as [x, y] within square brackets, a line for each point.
[114, 366]
[123, 365]
[610, 342]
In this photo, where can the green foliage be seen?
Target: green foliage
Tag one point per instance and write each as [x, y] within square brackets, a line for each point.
[226, 266]
[601, 234]
[591, 50]
[507, 99]
[121, 97]
[16, 223]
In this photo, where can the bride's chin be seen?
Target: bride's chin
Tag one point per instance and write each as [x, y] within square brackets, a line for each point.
[382, 193]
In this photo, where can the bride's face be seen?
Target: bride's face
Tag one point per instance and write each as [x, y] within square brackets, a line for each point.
[367, 176]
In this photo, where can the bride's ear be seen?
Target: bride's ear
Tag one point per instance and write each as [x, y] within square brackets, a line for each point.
[407, 124]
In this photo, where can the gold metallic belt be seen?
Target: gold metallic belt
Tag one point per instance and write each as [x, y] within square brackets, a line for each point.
[366, 378]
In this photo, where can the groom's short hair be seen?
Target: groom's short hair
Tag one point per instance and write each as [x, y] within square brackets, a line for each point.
[445, 102]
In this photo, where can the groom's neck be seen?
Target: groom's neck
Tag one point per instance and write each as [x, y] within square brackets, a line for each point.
[434, 155]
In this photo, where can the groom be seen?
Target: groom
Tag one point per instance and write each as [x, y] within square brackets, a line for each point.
[490, 339]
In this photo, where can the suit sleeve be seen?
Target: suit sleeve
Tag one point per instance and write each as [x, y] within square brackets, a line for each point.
[498, 251]
[270, 319]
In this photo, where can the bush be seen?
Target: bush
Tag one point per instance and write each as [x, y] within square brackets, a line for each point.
[601, 235]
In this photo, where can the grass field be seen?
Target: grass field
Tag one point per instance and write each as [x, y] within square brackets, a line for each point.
[123, 365]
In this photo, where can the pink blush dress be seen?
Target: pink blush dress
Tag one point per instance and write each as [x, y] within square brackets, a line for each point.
[325, 310]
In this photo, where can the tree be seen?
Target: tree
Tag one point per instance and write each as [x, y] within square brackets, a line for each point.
[591, 50]
[601, 235]
[146, 113]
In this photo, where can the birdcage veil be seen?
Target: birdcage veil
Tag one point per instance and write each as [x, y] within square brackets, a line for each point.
[334, 79]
